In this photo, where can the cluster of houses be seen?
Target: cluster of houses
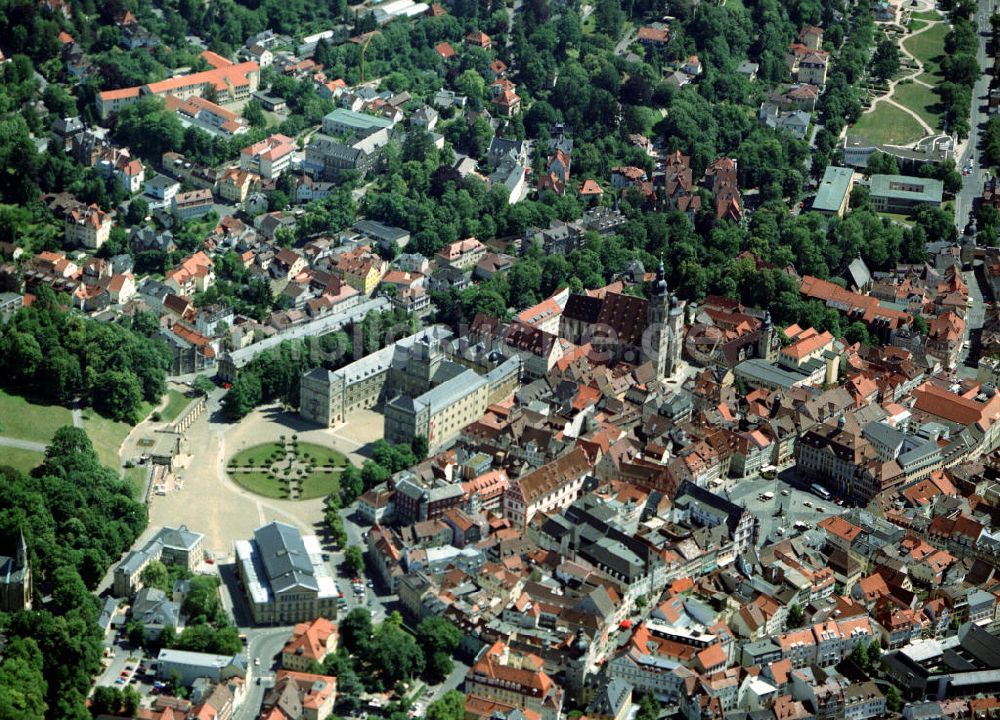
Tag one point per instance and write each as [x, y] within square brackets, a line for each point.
[578, 525]
[791, 108]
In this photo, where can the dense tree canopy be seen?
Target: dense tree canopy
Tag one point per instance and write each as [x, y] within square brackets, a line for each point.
[110, 366]
[76, 516]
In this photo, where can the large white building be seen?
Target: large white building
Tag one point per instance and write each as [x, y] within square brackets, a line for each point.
[284, 576]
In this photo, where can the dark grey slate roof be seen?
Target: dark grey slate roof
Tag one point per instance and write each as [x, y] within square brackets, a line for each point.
[284, 556]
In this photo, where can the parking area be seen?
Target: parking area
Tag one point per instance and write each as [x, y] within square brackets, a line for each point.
[124, 665]
[787, 505]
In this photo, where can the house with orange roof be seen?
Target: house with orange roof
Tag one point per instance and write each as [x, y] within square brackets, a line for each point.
[502, 675]
[231, 83]
[195, 273]
[752, 451]
[270, 157]
[556, 175]
[653, 37]
[806, 64]
[488, 488]
[445, 51]
[945, 337]
[551, 487]
[361, 269]
[479, 39]
[590, 191]
[930, 570]
[546, 314]
[495, 70]
[712, 659]
[505, 98]
[870, 590]
[192, 351]
[627, 176]
[805, 345]
[207, 115]
[310, 642]
[883, 321]
[461, 254]
[55, 264]
[235, 184]
[87, 226]
[332, 89]
[296, 695]
[840, 532]
[692, 66]
[798, 647]
[863, 389]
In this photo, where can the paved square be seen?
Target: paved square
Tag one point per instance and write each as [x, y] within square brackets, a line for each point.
[213, 504]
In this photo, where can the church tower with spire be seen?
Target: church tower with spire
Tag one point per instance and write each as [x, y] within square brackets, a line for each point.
[766, 346]
[658, 335]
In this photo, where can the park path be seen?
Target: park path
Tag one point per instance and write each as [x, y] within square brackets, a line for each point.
[22, 444]
[887, 98]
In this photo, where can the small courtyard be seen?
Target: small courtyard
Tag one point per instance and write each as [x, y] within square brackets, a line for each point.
[288, 469]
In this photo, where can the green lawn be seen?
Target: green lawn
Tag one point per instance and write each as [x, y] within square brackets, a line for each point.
[23, 460]
[928, 48]
[176, 402]
[888, 125]
[312, 485]
[921, 100]
[108, 435]
[256, 455]
[323, 455]
[136, 477]
[259, 483]
[319, 485]
[916, 25]
[25, 420]
[899, 219]
[926, 15]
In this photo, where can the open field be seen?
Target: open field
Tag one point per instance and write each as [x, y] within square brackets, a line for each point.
[23, 460]
[108, 435]
[136, 477]
[928, 48]
[24, 420]
[926, 15]
[176, 402]
[921, 100]
[888, 125]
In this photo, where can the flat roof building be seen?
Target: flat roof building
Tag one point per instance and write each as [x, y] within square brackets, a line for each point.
[834, 191]
[193, 665]
[342, 121]
[902, 193]
[759, 373]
